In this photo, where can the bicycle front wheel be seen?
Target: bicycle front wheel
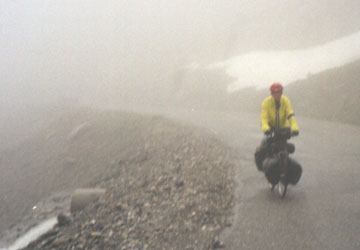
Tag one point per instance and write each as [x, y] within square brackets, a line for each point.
[282, 188]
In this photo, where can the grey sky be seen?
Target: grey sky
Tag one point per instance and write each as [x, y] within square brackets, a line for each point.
[50, 49]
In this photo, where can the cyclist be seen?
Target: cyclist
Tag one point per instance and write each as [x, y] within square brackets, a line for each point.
[276, 113]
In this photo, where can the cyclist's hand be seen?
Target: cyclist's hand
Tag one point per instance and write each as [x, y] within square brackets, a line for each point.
[295, 133]
[267, 132]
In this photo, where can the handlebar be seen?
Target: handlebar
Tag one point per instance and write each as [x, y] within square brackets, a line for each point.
[284, 133]
[294, 133]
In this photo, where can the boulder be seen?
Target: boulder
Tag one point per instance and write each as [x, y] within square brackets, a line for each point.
[82, 197]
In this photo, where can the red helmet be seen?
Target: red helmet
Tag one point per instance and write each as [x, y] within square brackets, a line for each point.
[276, 87]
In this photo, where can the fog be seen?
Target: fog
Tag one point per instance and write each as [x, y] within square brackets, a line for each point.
[155, 53]
[89, 51]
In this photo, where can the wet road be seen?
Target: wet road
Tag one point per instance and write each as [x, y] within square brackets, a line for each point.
[321, 212]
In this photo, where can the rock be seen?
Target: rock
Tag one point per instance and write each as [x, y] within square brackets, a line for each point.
[82, 197]
[218, 244]
[63, 220]
[179, 184]
[96, 234]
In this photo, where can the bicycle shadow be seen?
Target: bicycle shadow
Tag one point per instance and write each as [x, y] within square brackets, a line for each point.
[294, 194]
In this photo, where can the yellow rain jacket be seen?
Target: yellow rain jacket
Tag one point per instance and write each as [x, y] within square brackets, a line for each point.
[286, 114]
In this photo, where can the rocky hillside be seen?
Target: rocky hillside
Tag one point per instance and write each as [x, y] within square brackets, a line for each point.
[168, 186]
[331, 95]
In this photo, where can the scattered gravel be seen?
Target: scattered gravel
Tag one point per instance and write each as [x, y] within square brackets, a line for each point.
[168, 187]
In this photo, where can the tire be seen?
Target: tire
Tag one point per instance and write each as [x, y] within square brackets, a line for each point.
[282, 188]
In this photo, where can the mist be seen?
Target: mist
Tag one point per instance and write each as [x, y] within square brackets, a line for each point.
[90, 51]
[188, 61]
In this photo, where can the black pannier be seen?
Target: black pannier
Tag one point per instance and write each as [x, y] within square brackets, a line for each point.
[271, 169]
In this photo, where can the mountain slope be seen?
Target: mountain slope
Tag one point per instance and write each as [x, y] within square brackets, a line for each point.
[160, 175]
[330, 95]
